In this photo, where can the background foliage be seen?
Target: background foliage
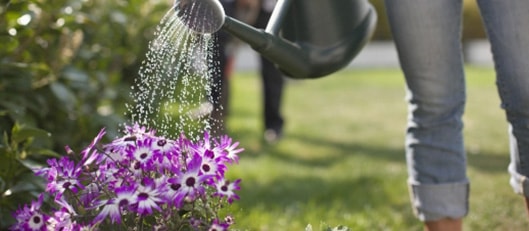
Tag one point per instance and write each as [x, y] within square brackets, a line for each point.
[66, 67]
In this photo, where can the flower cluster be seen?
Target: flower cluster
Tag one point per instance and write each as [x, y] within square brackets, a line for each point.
[137, 182]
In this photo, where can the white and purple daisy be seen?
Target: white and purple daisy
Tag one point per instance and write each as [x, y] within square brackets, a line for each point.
[210, 166]
[143, 153]
[63, 175]
[125, 196]
[62, 220]
[205, 147]
[137, 175]
[31, 218]
[217, 226]
[147, 198]
[191, 181]
[170, 190]
[90, 153]
[227, 189]
[168, 151]
[230, 148]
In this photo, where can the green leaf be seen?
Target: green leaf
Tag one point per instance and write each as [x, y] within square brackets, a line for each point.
[5, 139]
[9, 42]
[2, 185]
[44, 152]
[21, 133]
[64, 95]
[74, 74]
[6, 161]
[14, 109]
[15, 76]
[32, 165]
[27, 183]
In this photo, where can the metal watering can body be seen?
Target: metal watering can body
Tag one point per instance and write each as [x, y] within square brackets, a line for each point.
[311, 38]
[304, 38]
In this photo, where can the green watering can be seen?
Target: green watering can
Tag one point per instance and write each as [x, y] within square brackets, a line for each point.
[304, 38]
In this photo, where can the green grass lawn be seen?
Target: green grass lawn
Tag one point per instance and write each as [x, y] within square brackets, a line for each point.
[341, 161]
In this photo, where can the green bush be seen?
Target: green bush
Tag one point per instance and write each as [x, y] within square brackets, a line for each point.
[66, 68]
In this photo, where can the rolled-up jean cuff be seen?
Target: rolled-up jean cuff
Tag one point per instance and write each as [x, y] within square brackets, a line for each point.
[519, 182]
[437, 201]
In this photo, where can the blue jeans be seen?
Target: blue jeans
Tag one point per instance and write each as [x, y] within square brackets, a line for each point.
[427, 34]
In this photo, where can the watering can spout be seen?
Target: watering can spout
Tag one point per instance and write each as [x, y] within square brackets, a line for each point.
[289, 58]
[305, 39]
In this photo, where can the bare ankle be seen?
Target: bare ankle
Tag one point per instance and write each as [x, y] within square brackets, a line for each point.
[446, 224]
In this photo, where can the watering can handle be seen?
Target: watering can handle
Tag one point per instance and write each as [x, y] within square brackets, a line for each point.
[276, 19]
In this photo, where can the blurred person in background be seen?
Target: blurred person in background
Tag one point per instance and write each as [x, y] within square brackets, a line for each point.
[222, 56]
[256, 13]
[427, 34]
[272, 79]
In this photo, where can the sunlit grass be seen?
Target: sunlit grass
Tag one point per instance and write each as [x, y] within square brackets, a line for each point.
[341, 161]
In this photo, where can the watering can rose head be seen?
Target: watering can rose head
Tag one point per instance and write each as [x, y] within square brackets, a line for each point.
[137, 180]
[201, 16]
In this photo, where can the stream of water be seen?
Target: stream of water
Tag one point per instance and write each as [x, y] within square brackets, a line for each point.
[172, 92]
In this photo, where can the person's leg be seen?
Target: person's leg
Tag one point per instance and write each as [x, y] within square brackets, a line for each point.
[507, 25]
[273, 84]
[427, 35]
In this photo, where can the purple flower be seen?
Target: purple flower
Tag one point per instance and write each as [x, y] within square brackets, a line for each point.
[114, 155]
[205, 148]
[209, 166]
[63, 175]
[195, 223]
[90, 154]
[168, 153]
[89, 194]
[117, 148]
[30, 218]
[137, 175]
[147, 198]
[230, 148]
[170, 190]
[191, 181]
[217, 226]
[227, 189]
[62, 220]
[132, 134]
[136, 129]
[125, 196]
[143, 153]
[229, 220]
[163, 145]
